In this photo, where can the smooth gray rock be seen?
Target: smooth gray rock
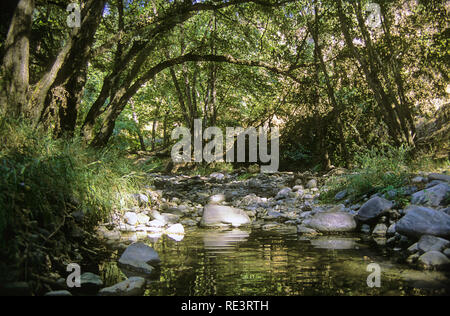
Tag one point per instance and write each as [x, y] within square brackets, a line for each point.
[439, 176]
[418, 179]
[340, 195]
[373, 209]
[434, 260]
[274, 215]
[432, 196]
[311, 184]
[219, 215]
[131, 218]
[138, 257]
[217, 176]
[446, 210]
[420, 221]
[134, 286]
[142, 219]
[217, 199]
[282, 194]
[331, 222]
[90, 281]
[413, 248]
[432, 243]
[170, 218]
[433, 183]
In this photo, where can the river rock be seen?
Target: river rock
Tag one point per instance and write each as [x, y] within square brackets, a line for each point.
[433, 260]
[373, 208]
[420, 221]
[446, 210]
[331, 222]
[418, 179]
[138, 257]
[90, 281]
[134, 286]
[413, 248]
[170, 218]
[217, 176]
[142, 219]
[311, 184]
[439, 176]
[340, 195]
[282, 194]
[432, 243]
[219, 215]
[217, 199]
[131, 218]
[189, 222]
[174, 210]
[432, 196]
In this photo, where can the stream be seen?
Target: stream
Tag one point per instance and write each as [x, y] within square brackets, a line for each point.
[239, 262]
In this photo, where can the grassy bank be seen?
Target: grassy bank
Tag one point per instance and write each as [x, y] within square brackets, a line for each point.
[387, 169]
[43, 181]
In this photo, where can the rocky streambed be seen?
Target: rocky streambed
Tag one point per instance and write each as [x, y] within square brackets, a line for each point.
[182, 226]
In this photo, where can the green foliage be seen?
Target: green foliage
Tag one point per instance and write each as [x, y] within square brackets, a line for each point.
[43, 180]
[245, 176]
[377, 170]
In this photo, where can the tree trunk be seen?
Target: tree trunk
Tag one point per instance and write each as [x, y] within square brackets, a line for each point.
[15, 68]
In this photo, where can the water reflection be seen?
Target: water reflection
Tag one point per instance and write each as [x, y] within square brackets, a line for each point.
[335, 243]
[240, 262]
[223, 241]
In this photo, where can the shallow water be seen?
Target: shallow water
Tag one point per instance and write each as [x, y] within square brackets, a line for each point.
[246, 262]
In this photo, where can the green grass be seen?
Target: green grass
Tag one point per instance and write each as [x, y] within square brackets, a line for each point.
[380, 170]
[42, 180]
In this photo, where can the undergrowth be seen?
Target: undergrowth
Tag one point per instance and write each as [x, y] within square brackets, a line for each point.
[43, 180]
[383, 170]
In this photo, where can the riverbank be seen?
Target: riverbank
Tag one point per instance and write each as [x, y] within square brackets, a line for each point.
[412, 233]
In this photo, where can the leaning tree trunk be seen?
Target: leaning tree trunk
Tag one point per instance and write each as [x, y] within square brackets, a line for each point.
[72, 77]
[15, 70]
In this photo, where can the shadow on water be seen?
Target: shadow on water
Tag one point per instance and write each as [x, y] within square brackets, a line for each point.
[245, 262]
